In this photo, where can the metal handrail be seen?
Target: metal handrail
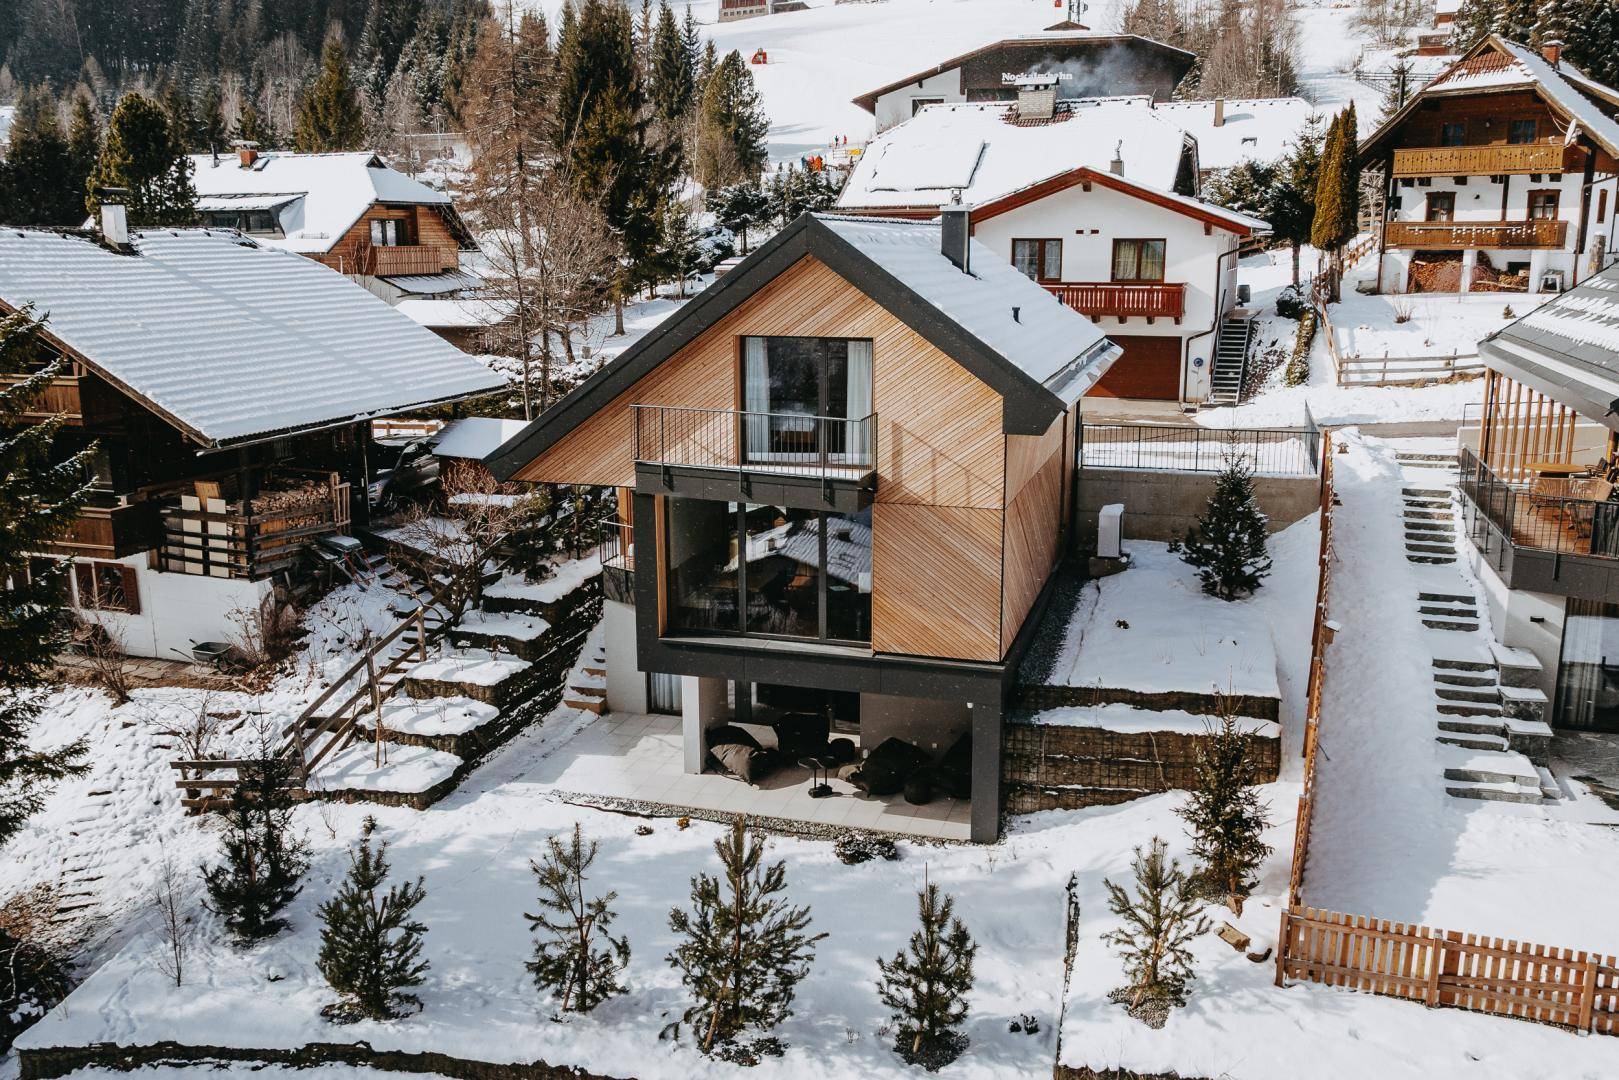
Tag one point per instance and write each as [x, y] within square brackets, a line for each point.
[1187, 448]
[802, 444]
[1543, 521]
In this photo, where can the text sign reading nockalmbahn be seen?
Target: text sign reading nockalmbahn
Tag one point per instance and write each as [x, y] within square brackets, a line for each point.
[1010, 77]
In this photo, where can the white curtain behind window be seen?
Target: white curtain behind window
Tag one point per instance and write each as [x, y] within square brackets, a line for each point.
[756, 395]
[857, 445]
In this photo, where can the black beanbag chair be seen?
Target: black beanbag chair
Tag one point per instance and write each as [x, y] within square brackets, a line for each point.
[801, 735]
[748, 764]
[730, 735]
[841, 751]
[919, 788]
[888, 767]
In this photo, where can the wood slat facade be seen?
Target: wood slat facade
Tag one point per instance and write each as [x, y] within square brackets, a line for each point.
[965, 519]
[435, 251]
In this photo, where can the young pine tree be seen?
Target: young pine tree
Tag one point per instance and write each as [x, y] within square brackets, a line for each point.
[264, 860]
[1224, 814]
[38, 168]
[732, 125]
[743, 948]
[740, 207]
[143, 155]
[927, 987]
[329, 113]
[1292, 209]
[40, 494]
[370, 946]
[577, 961]
[1227, 545]
[1160, 923]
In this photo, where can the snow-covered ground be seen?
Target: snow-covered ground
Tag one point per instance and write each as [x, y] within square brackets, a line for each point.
[1387, 839]
[1435, 324]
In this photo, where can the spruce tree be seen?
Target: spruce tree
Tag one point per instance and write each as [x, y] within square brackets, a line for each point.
[370, 945]
[1292, 209]
[1227, 545]
[329, 116]
[1224, 814]
[743, 947]
[732, 125]
[927, 986]
[253, 127]
[38, 168]
[264, 860]
[674, 76]
[577, 961]
[83, 145]
[141, 155]
[1160, 923]
[40, 494]
[740, 207]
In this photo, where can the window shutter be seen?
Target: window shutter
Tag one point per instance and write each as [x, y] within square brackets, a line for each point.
[132, 592]
[84, 576]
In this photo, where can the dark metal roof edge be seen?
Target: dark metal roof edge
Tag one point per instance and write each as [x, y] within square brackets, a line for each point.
[1564, 389]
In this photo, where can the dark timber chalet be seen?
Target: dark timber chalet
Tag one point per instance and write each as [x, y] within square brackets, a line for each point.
[229, 390]
[846, 475]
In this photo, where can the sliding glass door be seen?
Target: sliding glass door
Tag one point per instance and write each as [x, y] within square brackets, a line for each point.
[1588, 675]
[805, 399]
[769, 571]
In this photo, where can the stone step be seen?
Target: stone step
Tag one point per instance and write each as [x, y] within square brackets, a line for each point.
[1472, 727]
[1463, 708]
[1426, 504]
[1430, 560]
[1482, 770]
[1457, 678]
[1418, 548]
[1447, 598]
[1474, 742]
[1550, 789]
[1429, 515]
[1490, 696]
[585, 704]
[1452, 664]
[1458, 611]
[1456, 625]
[1427, 493]
[1493, 793]
[1417, 455]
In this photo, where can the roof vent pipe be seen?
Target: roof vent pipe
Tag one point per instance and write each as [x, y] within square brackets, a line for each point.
[1116, 166]
[1219, 112]
[1552, 51]
[955, 236]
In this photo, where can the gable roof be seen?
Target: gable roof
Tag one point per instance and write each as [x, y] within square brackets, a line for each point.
[1218, 216]
[972, 148]
[229, 341]
[1495, 65]
[1037, 353]
[320, 196]
[1567, 348]
[1067, 40]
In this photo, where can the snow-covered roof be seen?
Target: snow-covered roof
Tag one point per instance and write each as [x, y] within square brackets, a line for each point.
[1257, 129]
[434, 284]
[227, 338]
[321, 195]
[996, 303]
[1568, 347]
[1592, 120]
[973, 148]
[475, 437]
[455, 313]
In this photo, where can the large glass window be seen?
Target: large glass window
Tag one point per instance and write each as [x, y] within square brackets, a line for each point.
[770, 571]
[806, 400]
[1588, 674]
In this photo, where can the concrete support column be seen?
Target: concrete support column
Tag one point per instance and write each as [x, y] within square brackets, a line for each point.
[702, 706]
[986, 772]
[1469, 262]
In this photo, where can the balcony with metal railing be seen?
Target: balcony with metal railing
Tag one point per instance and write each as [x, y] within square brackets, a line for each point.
[821, 448]
[1123, 299]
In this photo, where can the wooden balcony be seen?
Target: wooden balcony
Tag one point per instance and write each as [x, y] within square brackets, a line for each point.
[73, 395]
[1123, 299]
[410, 259]
[1542, 157]
[1440, 235]
[110, 532]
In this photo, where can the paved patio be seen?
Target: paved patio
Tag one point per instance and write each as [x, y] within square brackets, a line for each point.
[639, 757]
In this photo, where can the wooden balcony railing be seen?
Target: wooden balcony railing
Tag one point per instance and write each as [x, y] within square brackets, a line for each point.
[1151, 300]
[1475, 234]
[70, 395]
[110, 532]
[1545, 157]
[410, 259]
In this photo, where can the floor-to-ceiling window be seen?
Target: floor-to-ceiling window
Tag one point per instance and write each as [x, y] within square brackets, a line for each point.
[769, 571]
[806, 399]
[1588, 673]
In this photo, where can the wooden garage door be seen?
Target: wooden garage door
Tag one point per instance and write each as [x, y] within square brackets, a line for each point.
[1149, 368]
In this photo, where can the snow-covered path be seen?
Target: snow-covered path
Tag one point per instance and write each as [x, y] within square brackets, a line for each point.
[1387, 839]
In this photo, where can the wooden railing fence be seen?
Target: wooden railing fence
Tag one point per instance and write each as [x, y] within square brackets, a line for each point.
[1320, 636]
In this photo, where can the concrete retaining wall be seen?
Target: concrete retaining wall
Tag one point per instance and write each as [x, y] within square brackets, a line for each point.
[1052, 767]
[1162, 505]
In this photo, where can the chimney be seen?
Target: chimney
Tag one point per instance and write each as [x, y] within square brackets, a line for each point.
[1552, 51]
[247, 154]
[1037, 97]
[114, 217]
[955, 235]
[1219, 112]
[1116, 166]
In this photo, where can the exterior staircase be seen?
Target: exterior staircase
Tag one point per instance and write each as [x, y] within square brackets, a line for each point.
[587, 691]
[1229, 375]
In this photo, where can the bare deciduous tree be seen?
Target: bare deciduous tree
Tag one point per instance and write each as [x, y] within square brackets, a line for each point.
[174, 926]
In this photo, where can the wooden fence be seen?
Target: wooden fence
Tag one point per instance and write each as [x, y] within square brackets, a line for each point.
[1393, 370]
[1320, 635]
[1449, 969]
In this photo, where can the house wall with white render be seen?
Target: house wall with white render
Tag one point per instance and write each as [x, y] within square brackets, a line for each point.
[1088, 223]
[176, 611]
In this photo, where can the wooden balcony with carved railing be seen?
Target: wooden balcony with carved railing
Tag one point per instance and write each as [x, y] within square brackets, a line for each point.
[1541, 157]
[1546, 233]
[410, 259]
[1123, 299]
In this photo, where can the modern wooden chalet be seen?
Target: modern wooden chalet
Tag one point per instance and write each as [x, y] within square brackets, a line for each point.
[1096, 201]
[1539, 474]
[1083, 64]
[845, 478]
[228, 389]
[1502, 173]
[349, 211]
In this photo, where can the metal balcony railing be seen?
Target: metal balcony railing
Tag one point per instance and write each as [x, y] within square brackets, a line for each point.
[797, 444]
[1547, 514]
